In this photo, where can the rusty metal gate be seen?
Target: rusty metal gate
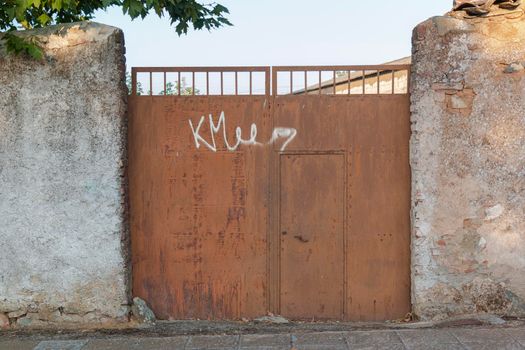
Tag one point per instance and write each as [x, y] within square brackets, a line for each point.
[283, 190]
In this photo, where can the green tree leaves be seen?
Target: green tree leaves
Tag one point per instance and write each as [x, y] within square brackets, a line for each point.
[28, 14]
[40, 13]
[181, 12]
[18, 46]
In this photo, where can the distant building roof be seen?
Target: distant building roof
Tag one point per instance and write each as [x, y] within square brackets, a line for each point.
[354, 76]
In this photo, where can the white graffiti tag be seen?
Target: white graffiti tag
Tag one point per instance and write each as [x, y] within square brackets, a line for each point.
[278, 133]
[289, 133]
[215, 128]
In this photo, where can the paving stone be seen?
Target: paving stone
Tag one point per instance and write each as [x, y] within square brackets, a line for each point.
[320, 347]
[424, 339]
[518, 334]
[372, 338]
[215, 348]
[213, 342]
[427, 337]
[265, 347]
[494, 346]
[321, 338]
[61, 344]
[482, 335]
[137, 344]
[235, 347]
[450, 346]
[266, 340]
[386, 346]
[18, 345]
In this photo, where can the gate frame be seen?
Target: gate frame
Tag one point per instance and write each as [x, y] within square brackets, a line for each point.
[271, 88]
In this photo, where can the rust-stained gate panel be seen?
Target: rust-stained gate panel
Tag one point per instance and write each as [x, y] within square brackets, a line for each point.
[294, 200]
[311, 222]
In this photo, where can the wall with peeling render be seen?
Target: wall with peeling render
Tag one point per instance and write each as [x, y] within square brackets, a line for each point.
[62, 160]
[63, 230]
[468, 166]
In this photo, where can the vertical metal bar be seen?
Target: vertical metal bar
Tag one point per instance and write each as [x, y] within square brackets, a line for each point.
[193, 83]
[208, 83]
[306, 82]
[393, 81]
[349, 82]
[222, 83]
[133, 82]
[179, 83]
[165, 92]
[291, 82]
[335, 83]
[274, 82]
[236, 84]
[319, 86]
[251, 84]
[364, 82]
[267, 82]
[151, 83]
[378, 82]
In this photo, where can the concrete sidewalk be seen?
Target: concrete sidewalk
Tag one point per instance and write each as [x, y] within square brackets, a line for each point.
[490, 338]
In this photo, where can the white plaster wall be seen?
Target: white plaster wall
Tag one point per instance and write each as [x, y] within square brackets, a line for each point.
[62, 160]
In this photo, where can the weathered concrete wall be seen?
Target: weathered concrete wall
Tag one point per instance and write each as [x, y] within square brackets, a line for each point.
[468, 166]
[62, 162]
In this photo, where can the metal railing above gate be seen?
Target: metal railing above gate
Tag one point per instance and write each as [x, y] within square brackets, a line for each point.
[277, 81]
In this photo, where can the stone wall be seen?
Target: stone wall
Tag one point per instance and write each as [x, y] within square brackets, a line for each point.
[468, 166]
[62, 162]
[63, 228]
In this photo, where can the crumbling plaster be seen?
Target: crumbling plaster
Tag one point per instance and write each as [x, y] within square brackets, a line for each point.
[468, 166]
[63, 228]
[63, 233]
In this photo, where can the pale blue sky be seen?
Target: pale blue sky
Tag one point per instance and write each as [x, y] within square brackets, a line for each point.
[282, 32]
